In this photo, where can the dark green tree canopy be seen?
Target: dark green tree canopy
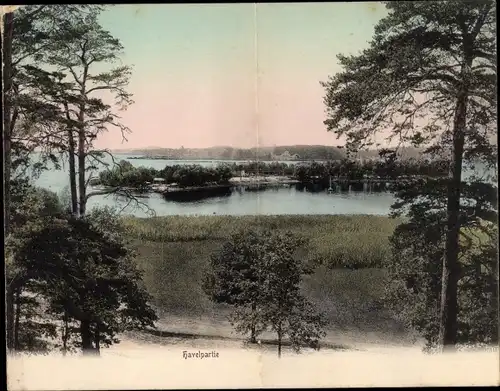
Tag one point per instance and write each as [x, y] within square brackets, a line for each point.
[415, 267]
[428, 80]
[84, 271]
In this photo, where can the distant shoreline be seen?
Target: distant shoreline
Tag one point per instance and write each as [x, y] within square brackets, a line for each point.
[283, 153]
[200, 159]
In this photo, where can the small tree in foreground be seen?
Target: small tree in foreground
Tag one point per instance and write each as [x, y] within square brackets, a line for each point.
[234, 279]
[259, 274]
[286, 311]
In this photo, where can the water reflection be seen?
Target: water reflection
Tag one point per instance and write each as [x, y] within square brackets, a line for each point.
[343, 198]
[198, 194]
[270, 201]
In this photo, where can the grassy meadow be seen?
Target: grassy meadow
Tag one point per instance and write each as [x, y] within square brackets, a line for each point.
[336, 240]
[347, 286]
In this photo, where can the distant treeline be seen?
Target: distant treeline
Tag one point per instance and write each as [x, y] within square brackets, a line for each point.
[379, 169]
[292, 152]
[346, 169]
[126, 175]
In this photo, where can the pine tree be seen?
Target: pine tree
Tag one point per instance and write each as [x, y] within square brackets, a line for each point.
[428, 78]
[415, 269]
[85, 274]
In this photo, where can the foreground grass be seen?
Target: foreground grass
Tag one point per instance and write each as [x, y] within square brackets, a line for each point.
[174, 253]
[173, 272]
[337, 241]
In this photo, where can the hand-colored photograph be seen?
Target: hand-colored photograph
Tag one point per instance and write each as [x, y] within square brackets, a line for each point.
[251, 195]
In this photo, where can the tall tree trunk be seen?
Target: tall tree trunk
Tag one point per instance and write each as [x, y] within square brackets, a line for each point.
[7, 109]
[86, 336]
[8, 122]
[451, 268]
[65, 333]
[495, 301]
[18, 318]
[10, 316]
[81, 171]
[72, 174]
[253, 336]
[97, 340]
[81, 140]
[279, 341]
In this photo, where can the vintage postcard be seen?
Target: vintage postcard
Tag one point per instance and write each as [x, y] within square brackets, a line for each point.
[251, 195]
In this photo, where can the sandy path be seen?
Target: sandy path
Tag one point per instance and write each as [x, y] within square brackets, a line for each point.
[148, 361]
[204, 332]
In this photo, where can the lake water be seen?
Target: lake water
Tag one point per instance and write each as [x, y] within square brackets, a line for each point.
[280, 201]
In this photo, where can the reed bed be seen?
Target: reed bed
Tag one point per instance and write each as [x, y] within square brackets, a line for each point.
[174, 253]
[337, 241]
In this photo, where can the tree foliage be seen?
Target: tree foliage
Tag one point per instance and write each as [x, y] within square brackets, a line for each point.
[34, 112]
[125, 175]
[63, 88]
[196, 175]
[68, 87]
[415, 267]
[287, 312]
[235, 278]
[82, 272]
[259, 275]
[427, 79]
[409, 78]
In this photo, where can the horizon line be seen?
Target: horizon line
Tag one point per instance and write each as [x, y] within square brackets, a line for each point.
[240, 147]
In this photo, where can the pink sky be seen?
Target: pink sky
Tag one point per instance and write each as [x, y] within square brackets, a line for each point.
[233, 74]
